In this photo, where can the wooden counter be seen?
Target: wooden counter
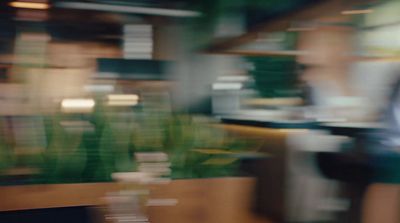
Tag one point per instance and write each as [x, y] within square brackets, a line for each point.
[216, 200]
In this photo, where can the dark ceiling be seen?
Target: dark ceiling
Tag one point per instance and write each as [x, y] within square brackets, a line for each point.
[73, 24]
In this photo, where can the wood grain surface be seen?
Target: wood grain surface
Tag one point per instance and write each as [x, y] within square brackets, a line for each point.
[216, 200]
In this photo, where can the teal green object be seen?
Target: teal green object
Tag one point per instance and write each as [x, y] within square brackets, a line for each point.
[274, 76]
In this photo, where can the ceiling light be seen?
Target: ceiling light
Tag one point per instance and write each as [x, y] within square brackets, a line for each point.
[77, 105]
[30, 5]
[124, 97]
[122, 103]
[355, 12]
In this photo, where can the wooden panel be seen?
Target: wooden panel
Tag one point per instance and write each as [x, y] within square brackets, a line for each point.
[270, 139]
[53, 195]
[271, 174]
[217, 200]
[381, 204]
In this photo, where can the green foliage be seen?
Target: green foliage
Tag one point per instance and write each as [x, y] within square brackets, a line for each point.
[195, 147]
[187, 135]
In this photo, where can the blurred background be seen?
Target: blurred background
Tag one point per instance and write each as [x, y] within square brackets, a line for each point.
[271, 111]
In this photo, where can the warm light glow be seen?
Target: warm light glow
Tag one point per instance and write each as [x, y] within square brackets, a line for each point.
[123, 97]
[122, 103]
[30, 5]
[77, 103]
[354, 12]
